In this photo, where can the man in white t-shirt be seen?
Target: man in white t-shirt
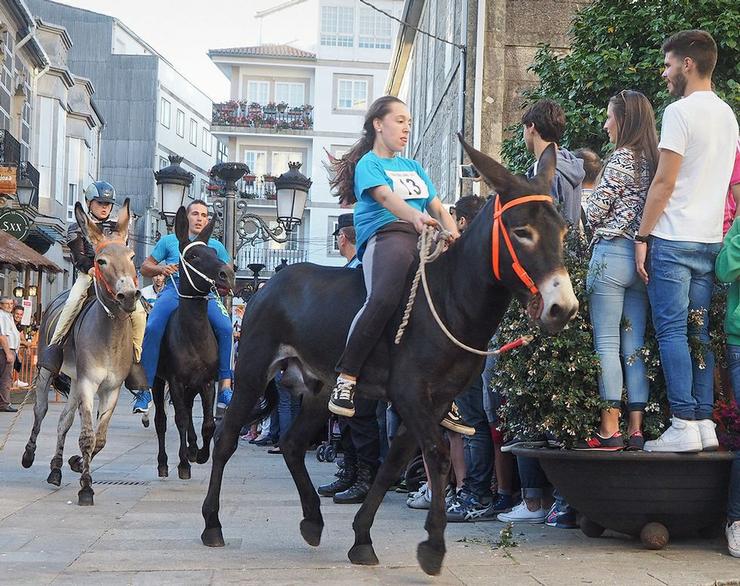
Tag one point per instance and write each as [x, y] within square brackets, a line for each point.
[9, 342]
[681, 234]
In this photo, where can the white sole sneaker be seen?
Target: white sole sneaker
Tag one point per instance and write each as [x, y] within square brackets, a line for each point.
[709, 441]
[682, 436]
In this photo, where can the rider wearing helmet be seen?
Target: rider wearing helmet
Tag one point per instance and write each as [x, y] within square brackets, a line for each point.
[100, 197]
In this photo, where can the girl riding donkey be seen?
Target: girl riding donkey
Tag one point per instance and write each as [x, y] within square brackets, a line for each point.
[392, 196]
[100, 197]
[167, 252]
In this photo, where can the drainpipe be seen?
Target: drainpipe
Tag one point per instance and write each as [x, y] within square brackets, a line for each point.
[480, 44]
[462, 94]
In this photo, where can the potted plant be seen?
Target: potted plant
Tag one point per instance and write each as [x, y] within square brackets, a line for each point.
[255, 107]
[270, 108]
[249, 179]
[282, 106]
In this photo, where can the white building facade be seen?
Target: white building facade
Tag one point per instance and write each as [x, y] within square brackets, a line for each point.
[298, 103]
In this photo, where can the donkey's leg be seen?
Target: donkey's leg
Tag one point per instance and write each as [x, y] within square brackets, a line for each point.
[182, 420]
[311, 417]
[192, 436]
[401, 450]
[43, 378]
[160, 424]
[66, 417]
[207, 398]
[421, 420]
[87, 391]
[227, 440]
[107, 400]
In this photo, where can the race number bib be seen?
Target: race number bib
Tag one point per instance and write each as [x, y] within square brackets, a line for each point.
[408, 184]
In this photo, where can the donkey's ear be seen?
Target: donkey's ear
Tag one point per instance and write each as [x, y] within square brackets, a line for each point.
[89, 228]
[124, 216]
[182, 226]
[546, 168]
[495, 174]
[205, 234]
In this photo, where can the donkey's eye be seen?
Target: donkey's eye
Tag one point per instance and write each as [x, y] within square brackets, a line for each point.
[101, 262]
[523, 233]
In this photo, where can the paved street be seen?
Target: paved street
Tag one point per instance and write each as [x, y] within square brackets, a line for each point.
[144, 530]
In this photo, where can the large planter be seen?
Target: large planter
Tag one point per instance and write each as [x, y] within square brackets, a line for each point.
[647, 495]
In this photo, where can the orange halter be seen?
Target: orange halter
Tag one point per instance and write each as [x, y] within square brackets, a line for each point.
[498, 227]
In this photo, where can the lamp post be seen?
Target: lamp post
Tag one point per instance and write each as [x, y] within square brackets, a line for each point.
[173, 182]
[25, 189]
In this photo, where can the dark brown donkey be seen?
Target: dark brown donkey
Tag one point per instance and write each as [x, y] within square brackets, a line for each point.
[299, 323]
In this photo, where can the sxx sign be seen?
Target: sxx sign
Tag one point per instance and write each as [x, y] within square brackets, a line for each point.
[14, 223]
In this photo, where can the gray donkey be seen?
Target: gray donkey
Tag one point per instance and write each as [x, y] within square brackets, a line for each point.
[97, 354]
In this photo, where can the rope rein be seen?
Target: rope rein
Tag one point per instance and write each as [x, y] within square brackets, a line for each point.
[426, 254]
[17, 416]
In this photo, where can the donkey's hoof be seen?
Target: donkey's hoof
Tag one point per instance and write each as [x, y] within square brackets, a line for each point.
[55, 477]
[202, 456]
[311, 532]
[183, 473]
[363, 554]
[163, 471]
[192, 453]
[28, 457]
[430, 558]
[75, 463]
[212, 537]
[85, 497]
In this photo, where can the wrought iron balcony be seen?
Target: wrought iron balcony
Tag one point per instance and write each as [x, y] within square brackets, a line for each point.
[10, 148]
[270, 257]
[277, 117]
[33, 174]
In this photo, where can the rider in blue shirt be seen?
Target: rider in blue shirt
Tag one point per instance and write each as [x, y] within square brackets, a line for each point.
[164, 261]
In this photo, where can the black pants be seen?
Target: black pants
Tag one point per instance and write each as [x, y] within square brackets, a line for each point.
[388, 258]
[361, 434]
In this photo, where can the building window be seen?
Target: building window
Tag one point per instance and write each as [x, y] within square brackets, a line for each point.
[193, 132]
[280, 160]
[206, 140]
[293, 94]
[180, 123]
[164, 112]
[375, 29]
[257, 162]
[163, 162]
[204, 189]
[352, 94]
[337, 26]
[222, 153]
[71, 200]
[258, 91]
[333, 225]
[339, 150]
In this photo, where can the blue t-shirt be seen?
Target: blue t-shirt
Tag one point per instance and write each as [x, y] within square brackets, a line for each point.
[168, 250]
[404, 177]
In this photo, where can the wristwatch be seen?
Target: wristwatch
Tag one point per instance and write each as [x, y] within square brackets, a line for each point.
[639, 238]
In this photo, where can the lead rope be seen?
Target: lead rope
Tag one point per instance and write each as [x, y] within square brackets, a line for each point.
[426, 254]
[31, 388]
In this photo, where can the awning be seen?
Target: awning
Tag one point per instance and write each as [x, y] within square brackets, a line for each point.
[15, 254]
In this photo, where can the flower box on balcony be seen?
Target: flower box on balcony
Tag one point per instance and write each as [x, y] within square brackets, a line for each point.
[249, 179]
[269, 178]
[282, 106]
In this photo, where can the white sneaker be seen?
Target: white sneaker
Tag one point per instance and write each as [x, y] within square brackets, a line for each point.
[21, 384]
[422, 500]
[522, 514]
[709, 441]
[733, 539]
[681, 436]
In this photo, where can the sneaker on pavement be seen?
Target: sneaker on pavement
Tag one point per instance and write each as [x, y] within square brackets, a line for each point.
[612, 443]
[562, 517]
[681, 436]
[470, 509]
[733, 538]
[524, 442]
[21, 384]
[457, 507]
[342, 398]
[522, 514]
[636, 442]
[503, 503]
[422, 500]
[709, 441]
[142, 402]
[454, 422]
[413, 494]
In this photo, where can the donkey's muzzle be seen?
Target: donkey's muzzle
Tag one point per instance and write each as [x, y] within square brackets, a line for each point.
[128, 299]
[559, 302]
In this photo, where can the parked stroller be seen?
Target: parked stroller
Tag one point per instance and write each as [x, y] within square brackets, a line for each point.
[328, 449]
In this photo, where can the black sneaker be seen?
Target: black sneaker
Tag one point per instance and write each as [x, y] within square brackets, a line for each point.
[539, 441]
[454, 422]
[635, 442]
[613, 443]
[341, 402]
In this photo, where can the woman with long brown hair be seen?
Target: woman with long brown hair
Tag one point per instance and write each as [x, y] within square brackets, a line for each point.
[394, 200]
[618, 299]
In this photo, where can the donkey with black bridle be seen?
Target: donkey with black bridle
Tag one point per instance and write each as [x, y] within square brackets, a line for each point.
[299, 323]
[189, 357]
[98, 353]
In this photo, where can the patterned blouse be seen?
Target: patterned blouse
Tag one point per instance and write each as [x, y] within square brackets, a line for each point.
[616, 205]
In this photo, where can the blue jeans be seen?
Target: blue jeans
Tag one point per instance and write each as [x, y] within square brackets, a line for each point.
[492, 399]
[166, 304]
[287, 408]
[681, 280]
[531, 477]
[733, 501]
[733, 366]
[478, 447]
[618, 303]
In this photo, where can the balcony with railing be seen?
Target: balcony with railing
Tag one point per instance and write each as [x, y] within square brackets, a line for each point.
[10, 148]
[269, 118]
[270, 257]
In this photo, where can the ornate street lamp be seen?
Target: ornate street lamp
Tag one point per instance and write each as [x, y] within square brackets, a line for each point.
[25, 189]
[173, 182]
[292, 192]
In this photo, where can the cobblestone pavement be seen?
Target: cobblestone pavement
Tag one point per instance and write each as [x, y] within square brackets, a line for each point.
[145, 530]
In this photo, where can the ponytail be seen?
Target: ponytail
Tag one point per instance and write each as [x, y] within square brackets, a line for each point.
[343, 180]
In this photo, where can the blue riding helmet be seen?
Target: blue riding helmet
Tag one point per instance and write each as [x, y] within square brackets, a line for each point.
[100, 191]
